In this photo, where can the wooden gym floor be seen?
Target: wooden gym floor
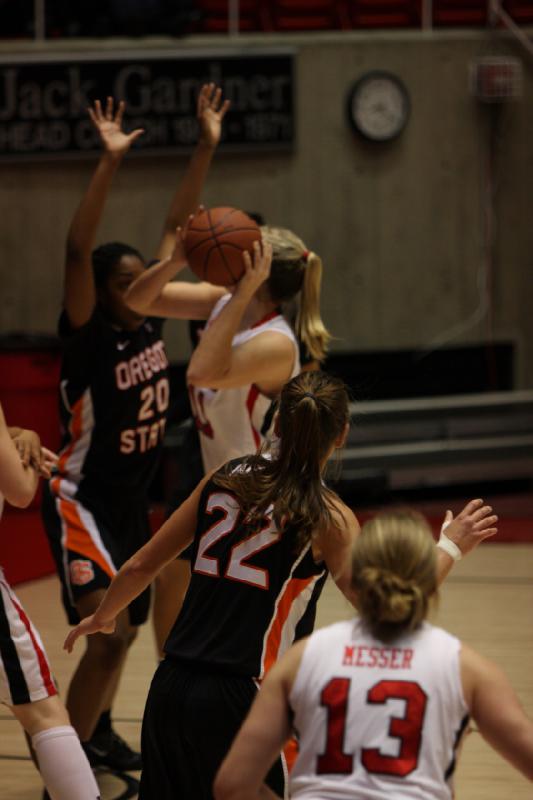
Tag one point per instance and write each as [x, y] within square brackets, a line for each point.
[487, 601]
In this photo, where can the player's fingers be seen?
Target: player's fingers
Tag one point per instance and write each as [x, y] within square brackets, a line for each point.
[470, 507]
[92, 115]
[486, 522]
[481, 513]
[487, 533]
[98, 109]
[70, 640]
[120, 112]
[109, 109]
[225, 105]
[246, 257]
[215, 100]
[134, 135]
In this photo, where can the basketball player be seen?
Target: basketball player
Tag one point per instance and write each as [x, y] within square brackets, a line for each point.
[265, 533]
[380, 702]
[114, 401]
[26, 683]
[246, 352]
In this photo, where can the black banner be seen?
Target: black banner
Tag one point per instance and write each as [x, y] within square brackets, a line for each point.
[43, 104]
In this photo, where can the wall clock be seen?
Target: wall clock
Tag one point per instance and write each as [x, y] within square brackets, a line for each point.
[378, 106]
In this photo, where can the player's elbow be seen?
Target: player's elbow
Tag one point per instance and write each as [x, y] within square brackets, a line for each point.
[198, 376]
[135, 301]
[226, 786]
[21, 496]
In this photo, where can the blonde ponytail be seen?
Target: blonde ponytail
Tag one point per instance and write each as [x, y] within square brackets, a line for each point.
[296, 269]
[309, 326]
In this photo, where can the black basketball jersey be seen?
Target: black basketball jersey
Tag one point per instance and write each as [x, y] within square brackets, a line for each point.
[252, 592]
[114, 396]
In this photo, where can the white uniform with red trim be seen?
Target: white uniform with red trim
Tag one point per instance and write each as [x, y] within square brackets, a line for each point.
[377, 722]
[230, 421]
[24, 669]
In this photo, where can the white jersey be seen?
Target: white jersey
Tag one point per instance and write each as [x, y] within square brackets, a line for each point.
[231, 421]
[377, 722]
[25, 674]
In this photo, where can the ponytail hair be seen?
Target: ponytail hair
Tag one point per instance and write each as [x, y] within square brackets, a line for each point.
[313, 412]
[296, 269]
[394, 573]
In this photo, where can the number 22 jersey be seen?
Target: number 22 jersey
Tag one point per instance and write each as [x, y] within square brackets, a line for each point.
[376, 721]
[114, 396]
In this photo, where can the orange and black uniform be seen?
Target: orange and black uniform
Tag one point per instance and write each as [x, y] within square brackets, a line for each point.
[253, 591]
[114, 396]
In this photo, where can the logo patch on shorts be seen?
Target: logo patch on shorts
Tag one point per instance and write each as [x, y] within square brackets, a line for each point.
[81, 572]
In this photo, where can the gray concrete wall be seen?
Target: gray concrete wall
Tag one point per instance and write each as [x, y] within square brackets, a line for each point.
[400, 227]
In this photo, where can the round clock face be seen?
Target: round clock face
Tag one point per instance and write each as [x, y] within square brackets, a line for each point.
[378, 106]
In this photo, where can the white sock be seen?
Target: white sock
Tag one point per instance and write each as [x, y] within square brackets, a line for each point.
[63, 765]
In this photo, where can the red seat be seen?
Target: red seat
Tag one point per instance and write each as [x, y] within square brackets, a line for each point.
[253, 16]
[307, 15]
[385, 13]
[520, 10]
[460, 12]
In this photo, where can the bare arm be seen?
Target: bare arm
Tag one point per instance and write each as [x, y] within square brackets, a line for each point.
[497, 711]
[79, 290]
[467, 530]
[153, 294]
[257, 745]
[210, 113]
[266, 359]
[18, 483]
[335, 547]
[139, 571]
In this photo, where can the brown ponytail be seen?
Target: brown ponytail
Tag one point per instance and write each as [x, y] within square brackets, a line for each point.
[296, 269]
[313, 412]
[394, 573]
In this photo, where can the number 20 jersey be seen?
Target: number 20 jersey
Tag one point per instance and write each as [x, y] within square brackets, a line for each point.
[114, 396]
[375, 721]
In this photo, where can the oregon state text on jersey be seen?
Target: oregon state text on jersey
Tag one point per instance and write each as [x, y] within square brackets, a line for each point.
[243, 580]
[377, 721]
[230, 421]
[114, 401]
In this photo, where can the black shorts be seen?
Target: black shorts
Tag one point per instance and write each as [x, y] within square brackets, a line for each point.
[191, 717]
[90, 538]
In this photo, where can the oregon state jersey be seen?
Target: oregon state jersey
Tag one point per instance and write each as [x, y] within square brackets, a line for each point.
[231, 421]
[376, 721]
[114, 396]
[252, 593]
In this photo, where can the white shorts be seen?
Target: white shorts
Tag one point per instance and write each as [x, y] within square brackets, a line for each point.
[25, 674]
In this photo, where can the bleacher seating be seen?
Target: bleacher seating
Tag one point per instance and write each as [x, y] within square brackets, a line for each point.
[460, 13]
[308, 15]
[253, 16]
[520, 10]
[385, 13]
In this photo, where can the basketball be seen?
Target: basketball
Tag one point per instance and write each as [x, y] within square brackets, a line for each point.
[215, 242]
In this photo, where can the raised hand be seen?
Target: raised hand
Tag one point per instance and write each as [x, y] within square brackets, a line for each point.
[85, 628]
[178, 255]
[108, 123]
[256, 268]
[210, 111]
[471, 526]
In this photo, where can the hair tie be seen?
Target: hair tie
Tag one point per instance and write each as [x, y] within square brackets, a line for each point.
[309, 394]
[305, 255]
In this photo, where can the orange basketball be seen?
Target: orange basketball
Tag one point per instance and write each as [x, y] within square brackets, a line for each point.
[215, 242]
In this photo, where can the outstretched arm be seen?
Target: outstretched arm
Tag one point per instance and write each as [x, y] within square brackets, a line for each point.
[154, 293]
[140, 570]
[210, 112]
[470, 527]
[79, 290]
[497, 710]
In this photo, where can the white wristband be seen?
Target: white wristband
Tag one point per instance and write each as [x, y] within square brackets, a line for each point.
[449, 547]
